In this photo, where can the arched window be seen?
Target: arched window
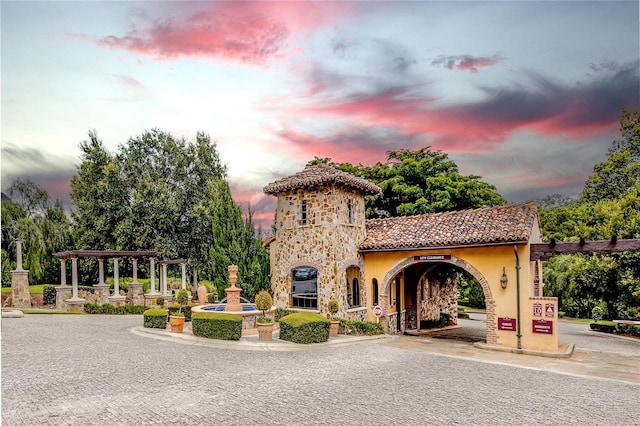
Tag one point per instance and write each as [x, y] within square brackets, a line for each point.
[356, 292]
[375, 291]
[304, 288]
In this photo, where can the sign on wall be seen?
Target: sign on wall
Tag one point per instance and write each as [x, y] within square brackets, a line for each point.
[549, 309]
[542, 326]
[506, 324]
[537, 309]
[432, 257]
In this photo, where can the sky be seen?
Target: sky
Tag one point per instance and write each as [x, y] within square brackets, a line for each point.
[527, 95]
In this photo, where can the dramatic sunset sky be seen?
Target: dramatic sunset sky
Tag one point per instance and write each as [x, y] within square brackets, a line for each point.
[527, 95]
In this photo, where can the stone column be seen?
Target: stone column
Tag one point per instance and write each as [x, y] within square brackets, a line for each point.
[116, 299]
[75, 304]
[150, 298]
[63, 291]
[101, 289]
[135, 293]
[20, 297]
[184, 275]
[164, 279]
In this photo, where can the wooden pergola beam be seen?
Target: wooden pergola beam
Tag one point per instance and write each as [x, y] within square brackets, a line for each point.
[105, 254]
[545, 251]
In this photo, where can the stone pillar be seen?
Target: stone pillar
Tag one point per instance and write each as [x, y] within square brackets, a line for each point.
[63, 291]
[20, 297]
[184, 275]
[75, 303]
[135, 270]
[101, 289]
[163, 269]
[153, 276]
[115, 299]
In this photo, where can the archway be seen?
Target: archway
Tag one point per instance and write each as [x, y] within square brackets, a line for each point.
[391, 282]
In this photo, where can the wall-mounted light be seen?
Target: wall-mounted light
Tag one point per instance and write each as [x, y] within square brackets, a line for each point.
[503, 279]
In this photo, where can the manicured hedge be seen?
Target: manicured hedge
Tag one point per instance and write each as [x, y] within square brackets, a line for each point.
[604, 326]
[304, 327]
[630, 329]
[616, 328]
[92, 308]
[360, 328]
[217, 325]
[155, 318]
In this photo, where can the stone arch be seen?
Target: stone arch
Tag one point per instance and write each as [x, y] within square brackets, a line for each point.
[492, 336]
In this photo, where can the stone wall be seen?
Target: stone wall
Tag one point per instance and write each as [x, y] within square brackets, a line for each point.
[438, 297]
[328, 242]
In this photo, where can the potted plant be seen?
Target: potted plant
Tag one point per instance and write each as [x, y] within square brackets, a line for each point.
[264, 324]
[335, 324]
[177, 318]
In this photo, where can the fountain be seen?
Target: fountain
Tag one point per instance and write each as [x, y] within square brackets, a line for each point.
[235, 304]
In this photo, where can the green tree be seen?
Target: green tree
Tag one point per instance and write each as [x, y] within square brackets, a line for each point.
[420, 181]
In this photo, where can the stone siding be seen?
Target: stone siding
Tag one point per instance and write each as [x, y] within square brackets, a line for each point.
[327, 242]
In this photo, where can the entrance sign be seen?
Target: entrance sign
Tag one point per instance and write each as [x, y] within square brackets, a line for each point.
[537, 309]
[542, 326]
[549, 309]
[432, 257]
[377, 311]
[506, 324]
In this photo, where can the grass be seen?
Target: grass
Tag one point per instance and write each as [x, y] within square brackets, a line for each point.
[44, 311]
[33, 289]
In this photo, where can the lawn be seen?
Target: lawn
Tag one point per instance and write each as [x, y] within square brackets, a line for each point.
[33, 289]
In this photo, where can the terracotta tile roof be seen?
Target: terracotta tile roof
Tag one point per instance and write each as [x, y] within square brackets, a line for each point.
[494, 225]
[318, 176]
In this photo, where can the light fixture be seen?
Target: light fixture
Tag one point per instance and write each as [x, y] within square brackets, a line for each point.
[503, 279]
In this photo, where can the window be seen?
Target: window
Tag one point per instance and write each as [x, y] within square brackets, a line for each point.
[304, 288]
[350, 209]
[356, 292]
[303, 212]
[375, 291]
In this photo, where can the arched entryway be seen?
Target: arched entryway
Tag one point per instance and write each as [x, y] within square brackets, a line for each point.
[408, 273]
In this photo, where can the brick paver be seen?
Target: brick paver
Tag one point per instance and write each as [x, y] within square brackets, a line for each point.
[93, 370]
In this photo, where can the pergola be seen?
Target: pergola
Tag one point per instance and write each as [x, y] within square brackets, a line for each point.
[101, 255]
[545, 251]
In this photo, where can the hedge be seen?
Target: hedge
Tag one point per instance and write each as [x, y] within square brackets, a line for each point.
[217, 325]
[360, 328]
[616, 328]
[49, 295]
[92, 308]
[155, 318]
[304, 327]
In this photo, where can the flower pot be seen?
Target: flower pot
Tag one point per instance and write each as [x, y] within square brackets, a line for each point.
[333, 329]
[202, 294]
[265, 331]
[177, 324]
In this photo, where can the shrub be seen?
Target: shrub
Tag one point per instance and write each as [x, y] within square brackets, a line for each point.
[92, 308]
[160, 301]
[48, 295]
[630, 329]
[211, 298]
[263, 301]
[217, 325]
[155, 318]
[604, 326]
[304, 327]
[333, 307]
[282, 312]
[88, 288]
[174, 309]
[361, 328]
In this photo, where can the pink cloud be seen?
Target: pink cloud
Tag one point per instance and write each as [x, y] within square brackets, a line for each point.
[465, 62]
[246, 32]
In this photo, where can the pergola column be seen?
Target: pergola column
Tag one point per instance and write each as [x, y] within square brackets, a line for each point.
[164, 279]
[63, 291]
[184, 275]
[115, 299]
[63, 273]
[101, 290]
[74, 277]
[153, 275]
[100, 271]
[135, 270]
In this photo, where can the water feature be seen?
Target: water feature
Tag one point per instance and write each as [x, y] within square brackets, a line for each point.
[235, 304]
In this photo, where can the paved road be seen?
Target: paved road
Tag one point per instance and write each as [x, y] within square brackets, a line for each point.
[81, 370]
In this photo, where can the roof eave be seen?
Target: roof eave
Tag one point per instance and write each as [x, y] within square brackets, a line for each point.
[451, 247]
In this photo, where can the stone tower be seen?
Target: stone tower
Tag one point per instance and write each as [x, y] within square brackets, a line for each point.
[320, 224]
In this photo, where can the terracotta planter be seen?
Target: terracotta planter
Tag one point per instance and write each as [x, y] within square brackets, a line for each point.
[265, 331]
[202, 294]
[333, 329]
[177, 324]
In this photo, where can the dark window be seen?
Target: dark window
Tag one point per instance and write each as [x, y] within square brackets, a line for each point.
[350, 210]
[356, 292]
[375, 291]
[303, 212]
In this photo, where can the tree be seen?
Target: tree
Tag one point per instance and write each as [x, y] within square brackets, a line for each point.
[41, 224]
[609, 207]
[420, 181]
[166, 194]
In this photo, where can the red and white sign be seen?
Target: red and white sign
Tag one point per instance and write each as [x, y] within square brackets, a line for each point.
[377, 311]
[537, 309]
[506, 324]
[542, 326]
[549, 309]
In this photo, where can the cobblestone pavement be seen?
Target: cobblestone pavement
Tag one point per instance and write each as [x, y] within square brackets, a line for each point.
[93, 370]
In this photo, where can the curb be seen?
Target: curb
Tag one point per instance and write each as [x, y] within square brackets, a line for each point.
[560, 354]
